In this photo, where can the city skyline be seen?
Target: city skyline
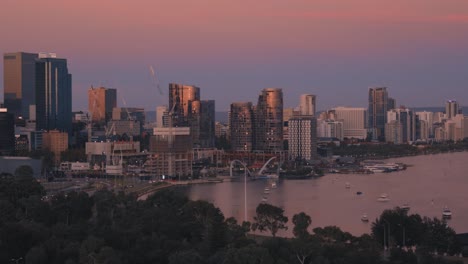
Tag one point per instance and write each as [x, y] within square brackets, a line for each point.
[232, 51]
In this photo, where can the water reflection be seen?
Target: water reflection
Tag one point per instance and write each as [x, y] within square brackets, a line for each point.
[430, 183]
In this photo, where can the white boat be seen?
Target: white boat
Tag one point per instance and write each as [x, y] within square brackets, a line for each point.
[347, 185]
[266, 191]
[405, 207]
[446, 213]
[364, 217]
[264, 199]
[273, 185]
[383, 198]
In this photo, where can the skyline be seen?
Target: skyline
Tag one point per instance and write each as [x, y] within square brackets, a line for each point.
[233, 50]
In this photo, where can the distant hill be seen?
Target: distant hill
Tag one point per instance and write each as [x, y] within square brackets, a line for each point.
[219, 116]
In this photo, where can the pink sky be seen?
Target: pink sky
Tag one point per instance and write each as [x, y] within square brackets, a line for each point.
[103, 39]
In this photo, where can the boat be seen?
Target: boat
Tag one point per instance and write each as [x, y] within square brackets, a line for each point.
[273, 185]
[264, 199]
[364, 218]
[383, 198]
[446, 213]
[347, 185]
[405, 207]
[266, 191]
[358, 192]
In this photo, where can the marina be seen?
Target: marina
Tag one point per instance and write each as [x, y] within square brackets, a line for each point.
[327, 201]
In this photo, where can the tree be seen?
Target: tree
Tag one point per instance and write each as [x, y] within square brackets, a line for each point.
[269, 217]
[301, 222]
[24, 171]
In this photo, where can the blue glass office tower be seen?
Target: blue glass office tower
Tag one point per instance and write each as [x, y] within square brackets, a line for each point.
[53, 94]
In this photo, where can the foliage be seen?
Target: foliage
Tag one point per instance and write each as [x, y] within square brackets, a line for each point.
[301, 222]
[24, 171]
[168, 228]
[269, 217]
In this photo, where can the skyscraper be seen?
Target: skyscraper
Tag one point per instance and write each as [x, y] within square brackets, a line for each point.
[269, 121]
[307, 104]
[391, 103]
[19, 82]
[451, 109]
[302, 137]
[180, 102]
[207, 124]
[354, 121]
[407, 119]
[53, 94]
[378, 106]
[101, 102]
[241, 124]
[7, 132]
[162, 116]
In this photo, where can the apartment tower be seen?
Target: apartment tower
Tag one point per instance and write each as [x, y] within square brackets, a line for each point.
[377, 111]
[269, 121]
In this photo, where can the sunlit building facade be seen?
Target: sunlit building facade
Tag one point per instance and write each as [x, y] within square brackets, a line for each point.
[269, 121]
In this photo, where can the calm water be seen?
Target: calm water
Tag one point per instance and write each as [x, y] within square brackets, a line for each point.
[430, 183]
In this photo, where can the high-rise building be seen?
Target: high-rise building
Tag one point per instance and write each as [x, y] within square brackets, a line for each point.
[181, 98]
[162, 116]
[428, 119]
[307, 104]
[173, 152]
[19, 70]
[377, 112]
[56, 142]
[391, 103]
[330, 129]
[451, 109]
[394, 132]
[407, 120]
[269, 121]
[207, 124]
[354, 121]
[134, 114]
[101, 102]
[53, 94]
[302, 137]
[241, 124]
[7, 132]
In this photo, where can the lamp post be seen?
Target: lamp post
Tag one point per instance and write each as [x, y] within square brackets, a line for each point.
[245, 193]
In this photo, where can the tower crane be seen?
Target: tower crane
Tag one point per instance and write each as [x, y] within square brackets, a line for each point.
[155, 79]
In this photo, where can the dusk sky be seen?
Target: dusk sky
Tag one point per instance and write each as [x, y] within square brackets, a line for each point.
[335, 49]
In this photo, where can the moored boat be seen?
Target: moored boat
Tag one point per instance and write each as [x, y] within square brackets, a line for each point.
[383, 198]
[446, 213]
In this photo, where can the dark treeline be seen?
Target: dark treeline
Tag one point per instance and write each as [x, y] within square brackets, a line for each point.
[169, 228]
[392, 150]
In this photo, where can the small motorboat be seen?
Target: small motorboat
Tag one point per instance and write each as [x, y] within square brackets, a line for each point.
[364, 218]
[405, 207]
[446, 213]
[383, 198]
[273, 185]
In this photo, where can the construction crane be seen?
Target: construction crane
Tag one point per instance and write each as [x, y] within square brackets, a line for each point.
[155, 79]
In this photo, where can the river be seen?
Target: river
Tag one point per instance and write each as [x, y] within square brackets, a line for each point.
[427, 185]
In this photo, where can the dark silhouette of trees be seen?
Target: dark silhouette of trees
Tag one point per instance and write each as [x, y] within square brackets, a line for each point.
[269, 217]
[168, 228]
[301, 222]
